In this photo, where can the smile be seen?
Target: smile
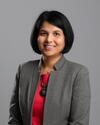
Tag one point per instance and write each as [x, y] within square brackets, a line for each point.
[49, 46]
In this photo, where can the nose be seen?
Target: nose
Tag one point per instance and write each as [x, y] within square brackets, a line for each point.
[49, 38]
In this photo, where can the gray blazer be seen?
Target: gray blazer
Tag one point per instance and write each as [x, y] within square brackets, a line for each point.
[68, 94]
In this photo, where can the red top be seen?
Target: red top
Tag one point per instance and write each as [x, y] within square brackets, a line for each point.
[38, 104]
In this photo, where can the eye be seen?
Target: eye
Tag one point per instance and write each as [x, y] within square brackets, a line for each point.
[57, 34]
[42, 33]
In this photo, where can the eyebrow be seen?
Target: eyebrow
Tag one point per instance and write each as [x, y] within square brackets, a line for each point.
[42, 30]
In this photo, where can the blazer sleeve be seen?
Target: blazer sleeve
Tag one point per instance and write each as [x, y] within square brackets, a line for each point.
[14, 110]
[80, 104]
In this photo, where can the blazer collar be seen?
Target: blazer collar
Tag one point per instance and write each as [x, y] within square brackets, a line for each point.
[57, 65]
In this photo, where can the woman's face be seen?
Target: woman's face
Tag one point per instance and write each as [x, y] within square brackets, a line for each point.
[51, 40]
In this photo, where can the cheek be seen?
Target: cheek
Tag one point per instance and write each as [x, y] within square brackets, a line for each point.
[40, 43]
[40, 40]
[61, 42]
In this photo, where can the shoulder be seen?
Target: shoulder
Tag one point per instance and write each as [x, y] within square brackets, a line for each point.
[75, 67]
[28, 65]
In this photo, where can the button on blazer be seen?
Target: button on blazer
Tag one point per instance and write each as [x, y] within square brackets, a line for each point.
[68, 94]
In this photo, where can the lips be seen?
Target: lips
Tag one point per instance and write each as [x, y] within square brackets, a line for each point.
[49, 46]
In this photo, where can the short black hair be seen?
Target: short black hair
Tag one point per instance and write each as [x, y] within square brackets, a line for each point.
[57, 19]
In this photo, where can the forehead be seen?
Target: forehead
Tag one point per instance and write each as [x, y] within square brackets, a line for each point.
[47, 26]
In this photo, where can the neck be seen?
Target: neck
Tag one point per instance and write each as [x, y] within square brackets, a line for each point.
[48, 62]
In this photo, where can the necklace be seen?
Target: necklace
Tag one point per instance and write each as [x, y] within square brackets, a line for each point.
[42, 71]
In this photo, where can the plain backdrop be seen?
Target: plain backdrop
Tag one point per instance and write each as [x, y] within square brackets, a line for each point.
[16, 21]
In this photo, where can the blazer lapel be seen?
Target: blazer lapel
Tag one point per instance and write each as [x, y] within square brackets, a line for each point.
[53, 83]
[35, 76]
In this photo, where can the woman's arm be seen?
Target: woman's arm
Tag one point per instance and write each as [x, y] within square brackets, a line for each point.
[80, 105]
[14, 110]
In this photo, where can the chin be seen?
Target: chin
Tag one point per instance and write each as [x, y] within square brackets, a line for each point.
[48, 55]
[51, 55]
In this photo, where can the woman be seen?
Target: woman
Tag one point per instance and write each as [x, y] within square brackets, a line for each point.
[51, 90]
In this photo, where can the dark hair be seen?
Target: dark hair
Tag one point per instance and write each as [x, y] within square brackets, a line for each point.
[57, 19]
